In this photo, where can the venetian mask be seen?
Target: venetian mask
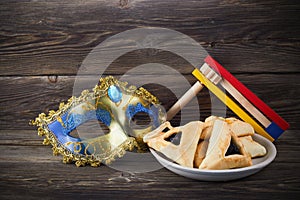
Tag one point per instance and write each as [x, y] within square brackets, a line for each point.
[114, 104]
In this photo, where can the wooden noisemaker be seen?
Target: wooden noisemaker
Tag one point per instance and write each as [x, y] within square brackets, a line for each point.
[214, 76]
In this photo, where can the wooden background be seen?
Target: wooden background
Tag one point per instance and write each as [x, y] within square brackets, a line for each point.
[42, 45]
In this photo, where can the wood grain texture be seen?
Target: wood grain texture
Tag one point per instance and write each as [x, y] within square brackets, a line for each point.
[54, 37]
[59, 181]
[44, 43]
[29, 166]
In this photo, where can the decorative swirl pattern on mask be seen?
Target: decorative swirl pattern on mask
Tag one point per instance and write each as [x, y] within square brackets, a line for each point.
[103, 104]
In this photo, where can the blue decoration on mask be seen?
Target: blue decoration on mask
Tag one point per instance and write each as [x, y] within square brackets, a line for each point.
[103, 116]
[71, 121]
[74, 120]
[132, 110]
[114, 93]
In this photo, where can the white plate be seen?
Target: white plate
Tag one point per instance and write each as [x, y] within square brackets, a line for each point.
[221, 175]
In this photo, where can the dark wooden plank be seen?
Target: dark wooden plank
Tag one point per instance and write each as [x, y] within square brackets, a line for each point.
[39, 38]
[23, 98]
[30, 171]
[57, 180]
[20, 137]
[43, 43]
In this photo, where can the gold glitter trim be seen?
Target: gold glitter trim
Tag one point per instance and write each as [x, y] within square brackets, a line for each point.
[99, 90]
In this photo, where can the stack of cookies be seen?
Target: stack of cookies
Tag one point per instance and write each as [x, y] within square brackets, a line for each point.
[216, 143]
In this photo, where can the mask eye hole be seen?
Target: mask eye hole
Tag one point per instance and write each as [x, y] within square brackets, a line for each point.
[90, 129]
[74, 134]
[140, 120]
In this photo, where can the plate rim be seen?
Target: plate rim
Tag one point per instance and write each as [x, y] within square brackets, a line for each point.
[271, 152]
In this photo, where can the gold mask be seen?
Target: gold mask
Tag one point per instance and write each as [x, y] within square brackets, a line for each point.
[114, 104]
